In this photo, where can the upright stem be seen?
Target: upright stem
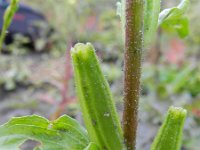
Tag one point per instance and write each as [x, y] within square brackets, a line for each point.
[132, 66]
[2, 37]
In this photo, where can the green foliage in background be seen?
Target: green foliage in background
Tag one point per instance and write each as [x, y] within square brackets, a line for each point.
[12, 74]
[172, 81]
[77, 20]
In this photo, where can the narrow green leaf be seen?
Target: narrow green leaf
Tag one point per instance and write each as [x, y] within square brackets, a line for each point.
[64, 133]
[97, 105]
[169, 136]
[7, 19]
[151, 14]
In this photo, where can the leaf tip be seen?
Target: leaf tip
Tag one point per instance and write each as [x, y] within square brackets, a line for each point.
[178, 112]
[82, 50]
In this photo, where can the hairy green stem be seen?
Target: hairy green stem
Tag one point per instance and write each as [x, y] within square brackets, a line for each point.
[132, 66]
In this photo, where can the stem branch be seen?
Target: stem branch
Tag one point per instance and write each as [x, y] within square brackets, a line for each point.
[132, 67]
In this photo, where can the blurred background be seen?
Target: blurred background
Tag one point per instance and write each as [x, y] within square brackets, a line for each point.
[36, 75]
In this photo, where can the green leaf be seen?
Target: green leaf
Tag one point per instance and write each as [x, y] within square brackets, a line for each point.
[7, 19]
[97, 104]
[174, 18]
[151, 14]
[169, 136]
[174, 13]
[182, 27]
[92, 146]
[62, 134]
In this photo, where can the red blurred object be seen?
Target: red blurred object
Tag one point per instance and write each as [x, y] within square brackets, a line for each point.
[91, 22]
[176, 52]
[196, 112]
[19, 17]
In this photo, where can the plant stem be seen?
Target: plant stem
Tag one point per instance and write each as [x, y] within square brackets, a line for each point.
[2, 37]
[132, 66]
